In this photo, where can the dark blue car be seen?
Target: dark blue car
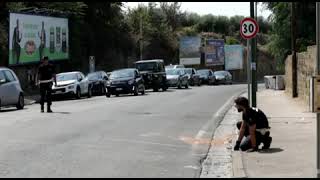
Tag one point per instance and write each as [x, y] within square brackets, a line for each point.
[125, 81]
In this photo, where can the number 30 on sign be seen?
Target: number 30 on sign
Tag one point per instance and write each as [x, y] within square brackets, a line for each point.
[248, 28]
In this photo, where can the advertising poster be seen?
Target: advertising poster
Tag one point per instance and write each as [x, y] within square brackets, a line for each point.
[190, 50]
[233, 57]
[214, 52]
[32, 37]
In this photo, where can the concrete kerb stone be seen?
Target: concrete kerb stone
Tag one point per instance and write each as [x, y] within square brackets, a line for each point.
[237, 161]
[208, 132]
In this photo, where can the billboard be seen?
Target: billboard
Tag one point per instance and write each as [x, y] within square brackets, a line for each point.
[214, 52]
[190, 50]
[32, 37]
[233, 57]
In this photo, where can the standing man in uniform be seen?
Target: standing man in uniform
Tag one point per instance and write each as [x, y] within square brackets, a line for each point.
[42, 36]
[254, 127]
[46, 77]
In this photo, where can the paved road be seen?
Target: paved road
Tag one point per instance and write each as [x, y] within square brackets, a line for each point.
[127, 136]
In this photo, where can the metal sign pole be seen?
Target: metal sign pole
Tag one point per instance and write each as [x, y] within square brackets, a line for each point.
[253, 63]
[318, 72]
[249, 70]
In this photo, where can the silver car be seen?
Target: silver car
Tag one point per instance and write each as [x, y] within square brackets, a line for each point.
[11, 93]
[223, 77]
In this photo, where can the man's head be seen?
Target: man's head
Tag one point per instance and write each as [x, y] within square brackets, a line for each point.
[242, 104]
[45, 60]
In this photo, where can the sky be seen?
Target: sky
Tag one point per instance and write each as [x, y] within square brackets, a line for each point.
[216, 8]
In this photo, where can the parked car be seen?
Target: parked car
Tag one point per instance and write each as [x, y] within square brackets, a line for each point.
[177, 77]
[193, 77]
[72, 83]
[153, 73]
[223, 77]
[125, 81]
[175, 66]
[206, 76]
[98, 82]
[11, 93]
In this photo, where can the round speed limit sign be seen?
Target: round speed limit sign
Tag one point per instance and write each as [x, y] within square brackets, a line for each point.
[248, 28]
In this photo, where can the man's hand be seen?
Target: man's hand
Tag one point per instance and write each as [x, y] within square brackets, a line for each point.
[237, 146]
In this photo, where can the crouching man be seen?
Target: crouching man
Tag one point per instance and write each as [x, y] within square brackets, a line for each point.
[254, 127]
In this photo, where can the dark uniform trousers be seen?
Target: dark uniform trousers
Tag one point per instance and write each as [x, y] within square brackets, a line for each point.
[46, 93]
[246, 143]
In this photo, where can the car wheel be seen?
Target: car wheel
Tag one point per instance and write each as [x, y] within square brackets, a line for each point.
[164, 88]
[179, 86]
[20, 104]
[103, 90]
[78, 93]
[155, 89]
[108, 94]
[136, 91]
[89, 92]
[143, 91]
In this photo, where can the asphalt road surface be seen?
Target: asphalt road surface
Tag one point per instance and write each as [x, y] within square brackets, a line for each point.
[126, 136]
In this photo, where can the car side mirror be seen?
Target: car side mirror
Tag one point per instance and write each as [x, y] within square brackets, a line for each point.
[105, 77]
[2, 81]
[80, 79]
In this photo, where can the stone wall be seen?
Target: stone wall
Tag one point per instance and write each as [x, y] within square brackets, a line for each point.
[306, 68]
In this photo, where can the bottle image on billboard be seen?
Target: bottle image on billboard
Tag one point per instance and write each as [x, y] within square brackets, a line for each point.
[51, 39]
[64, 40]
[58, 39]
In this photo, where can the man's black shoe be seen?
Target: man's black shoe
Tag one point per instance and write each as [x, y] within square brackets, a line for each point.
[42, 110]
[266, 145]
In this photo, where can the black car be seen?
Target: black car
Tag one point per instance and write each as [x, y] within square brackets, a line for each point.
[153, 73]
[207, 76]
[193, 77]
[98, 81]
[125, 81]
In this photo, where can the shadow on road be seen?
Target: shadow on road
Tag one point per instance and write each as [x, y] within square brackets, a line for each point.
[271, 150]
[127, 95]
[10, 109]
[61, 112]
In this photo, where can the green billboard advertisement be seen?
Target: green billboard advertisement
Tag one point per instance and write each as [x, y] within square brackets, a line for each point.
[31, 37]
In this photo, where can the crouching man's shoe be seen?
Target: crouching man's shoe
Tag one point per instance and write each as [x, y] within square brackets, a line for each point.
[266, 145]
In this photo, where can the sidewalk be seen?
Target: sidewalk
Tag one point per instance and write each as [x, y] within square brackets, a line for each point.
[292, 152]
[293, 129]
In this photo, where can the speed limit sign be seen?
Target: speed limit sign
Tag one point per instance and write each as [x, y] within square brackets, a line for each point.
[248, 28]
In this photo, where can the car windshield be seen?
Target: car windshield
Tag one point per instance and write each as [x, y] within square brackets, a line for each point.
[122, 74]
[66, 77]
[172, 71]
[203, 72]
[93, 76]
[188, 71]
[150, 66]
[219, 73]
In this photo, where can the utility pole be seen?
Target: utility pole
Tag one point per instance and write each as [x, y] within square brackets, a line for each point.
[318, 73]
[294, 56]
[253, 64]
[141, 45]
